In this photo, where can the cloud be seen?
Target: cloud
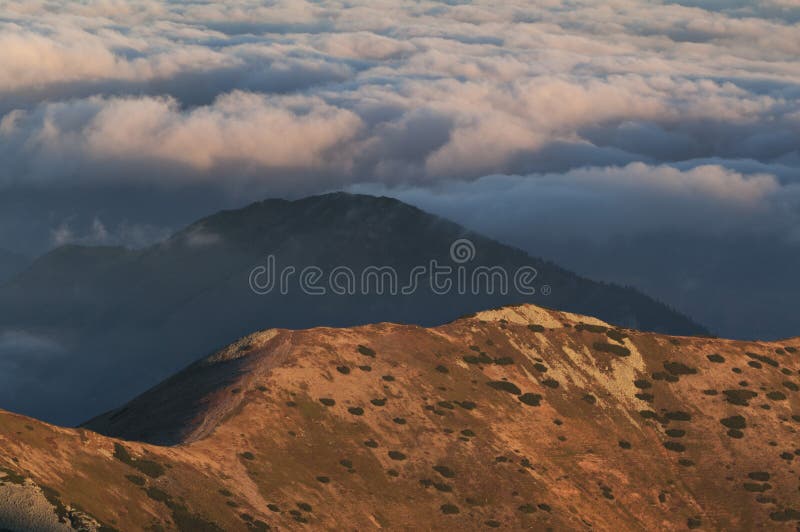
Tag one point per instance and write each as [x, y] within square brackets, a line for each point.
[601, 203]
[362, 45]
[98, 233]
[671, 100]
[200, 237]
[238, 130]
[33, 59]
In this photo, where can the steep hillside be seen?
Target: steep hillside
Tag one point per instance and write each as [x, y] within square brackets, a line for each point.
[515, 418]
[120, 321]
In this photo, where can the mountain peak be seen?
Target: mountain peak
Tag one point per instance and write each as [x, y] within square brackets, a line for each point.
[335, 209]
[527, 313]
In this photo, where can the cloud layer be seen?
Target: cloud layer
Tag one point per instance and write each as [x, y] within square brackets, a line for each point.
[598, 204]
[299, 96]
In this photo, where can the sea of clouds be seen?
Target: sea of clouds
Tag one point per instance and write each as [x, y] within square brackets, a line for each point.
[564, 118]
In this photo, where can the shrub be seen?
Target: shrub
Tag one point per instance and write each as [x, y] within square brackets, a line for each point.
[611, 348]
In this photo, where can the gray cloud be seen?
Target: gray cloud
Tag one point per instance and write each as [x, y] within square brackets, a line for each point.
[604, 202]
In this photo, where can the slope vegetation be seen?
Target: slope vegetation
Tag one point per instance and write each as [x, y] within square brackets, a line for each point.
[519, 417]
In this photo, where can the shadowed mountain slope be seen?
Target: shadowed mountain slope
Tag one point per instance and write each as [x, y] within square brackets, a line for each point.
[118, 321]
[519, 417]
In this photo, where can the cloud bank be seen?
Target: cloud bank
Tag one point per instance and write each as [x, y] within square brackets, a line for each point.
[297, 96]
[601, 203]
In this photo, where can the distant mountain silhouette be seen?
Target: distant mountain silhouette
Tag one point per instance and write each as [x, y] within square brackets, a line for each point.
[116, 321]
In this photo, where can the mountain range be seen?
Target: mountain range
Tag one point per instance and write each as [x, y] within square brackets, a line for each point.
[88, 327]
[519, 418]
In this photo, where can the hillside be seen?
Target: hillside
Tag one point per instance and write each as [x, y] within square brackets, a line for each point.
[118, 321]
[519, 417]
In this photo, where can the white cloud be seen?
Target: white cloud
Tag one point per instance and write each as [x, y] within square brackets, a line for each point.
[259, 132]
[362, 45]
[293, 96]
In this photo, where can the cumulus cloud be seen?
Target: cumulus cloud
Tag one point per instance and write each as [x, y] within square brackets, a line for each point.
[362, 45]
[694, 102]
[34, 59]
[238, 129]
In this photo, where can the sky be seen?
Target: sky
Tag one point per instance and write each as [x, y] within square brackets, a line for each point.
[621, 127]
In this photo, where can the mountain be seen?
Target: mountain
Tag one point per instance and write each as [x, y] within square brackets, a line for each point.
[706, 277]
[10, 264]
[115, 321]
[520, 417]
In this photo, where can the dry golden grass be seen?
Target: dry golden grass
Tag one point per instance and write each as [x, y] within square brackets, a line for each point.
[572, 434]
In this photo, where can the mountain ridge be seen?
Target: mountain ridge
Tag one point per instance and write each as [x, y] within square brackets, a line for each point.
[213, 221]
[520, 417]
